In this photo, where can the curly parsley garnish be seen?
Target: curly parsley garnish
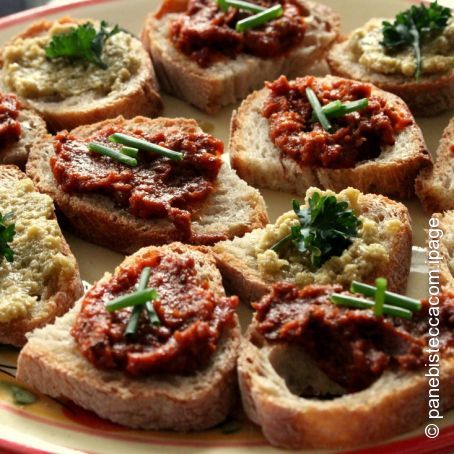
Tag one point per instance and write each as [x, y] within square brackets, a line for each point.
[7, 233]
[83, 42]
[414, 26]
[325, 229]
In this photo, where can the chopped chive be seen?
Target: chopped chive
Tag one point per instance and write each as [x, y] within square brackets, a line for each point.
[350, 107]
[358, 303]
[152, 315]
[259, 19]
[111, 153]
[222, 5]
[391, 298]
[130, 151]
[144, 278]
[133, 322]
[382, 285]
[132, 299]
[144, 145]
[316, 106]
[246, 6]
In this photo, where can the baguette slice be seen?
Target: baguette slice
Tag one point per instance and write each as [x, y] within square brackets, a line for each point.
[136, 96]
[62, 286]
[429, 96]
[52, 364]
[238, 258]
[435, 186]
[258, 161]
[393, 404]
[33, 128]
[228, 81]
[446, 224]
[234, 208]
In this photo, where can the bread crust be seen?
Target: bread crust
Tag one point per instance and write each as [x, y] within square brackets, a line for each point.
[52, 364]
[429, 96]
[139, 96]
[231, 210]
[392, 173]
[247, 282]
[435, 186]
[58, 297]
[33, 128]
[227, 81]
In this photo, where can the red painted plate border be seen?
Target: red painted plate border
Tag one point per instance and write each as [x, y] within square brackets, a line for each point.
[420, 444]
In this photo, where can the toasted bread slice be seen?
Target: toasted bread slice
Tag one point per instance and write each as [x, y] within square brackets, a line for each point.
[42, 282]
[446, 225]
[435, 186]
[258, 161]
[428, 96]
[136, 94]
[233, 209]
[52, 364]
[230, 80]
[249, 267]
[33, 128]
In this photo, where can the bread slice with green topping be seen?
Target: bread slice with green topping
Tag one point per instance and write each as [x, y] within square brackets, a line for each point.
[382, 247]
[262, 164]
[41, 282]
[232, 209]
[231, 79]
[435, 186]
[73, 91]
[52, 363]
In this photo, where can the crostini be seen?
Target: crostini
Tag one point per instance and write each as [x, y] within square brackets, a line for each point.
[411, 56]
[19, 129]
[175, 188]
[435, 186]
[202, 54]
[39, 276]
[316, 374]
[327, 132]
[79, 71]
[331, 239]
[166, 363]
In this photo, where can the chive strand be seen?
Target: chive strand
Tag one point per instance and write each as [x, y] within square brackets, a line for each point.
[245, 6]
[277, 246]
[133, 322]
[144, 145]
[132, 299]
[382, 285]
[260, 18]
[316, 106]
[113, 154]
[130, 151]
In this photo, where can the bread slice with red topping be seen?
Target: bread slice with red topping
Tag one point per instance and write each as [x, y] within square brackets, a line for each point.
[72, 92]
[258, 160]
[42, 281]
[231, 209]
[52, 363]
[231, 79]
[435, 186]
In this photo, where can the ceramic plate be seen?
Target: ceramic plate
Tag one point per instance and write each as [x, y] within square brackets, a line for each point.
[49, 425]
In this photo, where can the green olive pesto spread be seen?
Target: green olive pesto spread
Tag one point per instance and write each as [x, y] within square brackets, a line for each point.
[437, 55]
[29, 73]
[366, 252]
[37, 247]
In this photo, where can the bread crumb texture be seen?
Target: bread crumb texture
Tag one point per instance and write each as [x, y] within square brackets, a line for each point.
[37, 247]
[356, 263]
[29, 73]
[437, 54]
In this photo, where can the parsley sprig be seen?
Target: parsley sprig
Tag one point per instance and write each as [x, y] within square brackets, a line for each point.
[325, 228]
[413, 27]
[82, 42]
[7, 233]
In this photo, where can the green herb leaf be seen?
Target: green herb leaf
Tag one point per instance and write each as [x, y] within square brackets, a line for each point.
[82, 42]
[7, 233]
[413, 27]
[325, 230]
[22, 396]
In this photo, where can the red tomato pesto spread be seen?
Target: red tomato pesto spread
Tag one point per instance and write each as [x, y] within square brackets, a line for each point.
[352, 346]
[10, 129]
[193, 319]
[157, 188]
[206, 34]
[357, 136]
